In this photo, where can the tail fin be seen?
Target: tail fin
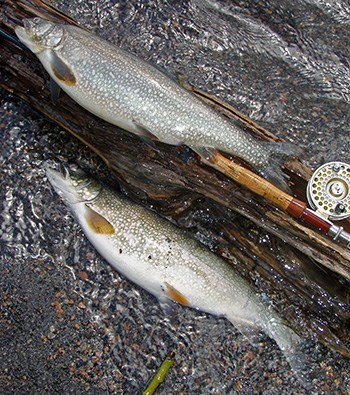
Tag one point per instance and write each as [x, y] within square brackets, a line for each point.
[279, 153]
[295, 350]
[270, 168]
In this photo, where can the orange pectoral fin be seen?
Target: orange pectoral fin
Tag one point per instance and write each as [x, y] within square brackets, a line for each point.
[176, 295]
[98, 223]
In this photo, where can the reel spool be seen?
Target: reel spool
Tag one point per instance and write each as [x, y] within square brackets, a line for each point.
[328, 191]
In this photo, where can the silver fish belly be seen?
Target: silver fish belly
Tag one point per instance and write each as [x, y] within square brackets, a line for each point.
[162, 259]
[130, 93]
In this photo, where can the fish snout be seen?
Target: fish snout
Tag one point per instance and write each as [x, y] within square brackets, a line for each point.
[27, 34]
[72, 183]
[40, 34]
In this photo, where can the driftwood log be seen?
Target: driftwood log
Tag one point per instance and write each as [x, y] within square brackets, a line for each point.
[306, 274]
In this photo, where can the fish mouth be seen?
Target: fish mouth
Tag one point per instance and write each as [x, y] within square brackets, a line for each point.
[59, 173]
[61, 183]
[26, 36]
[38, 34]
[26, 39]
[72, 183]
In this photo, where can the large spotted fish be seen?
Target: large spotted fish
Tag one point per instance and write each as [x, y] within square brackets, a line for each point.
[130, 93]
[165, 261]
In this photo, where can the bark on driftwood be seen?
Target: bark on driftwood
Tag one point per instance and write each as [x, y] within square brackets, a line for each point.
[306, 274]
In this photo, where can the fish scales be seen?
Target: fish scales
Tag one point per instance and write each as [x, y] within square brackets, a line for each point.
[167, 253]
[136, 96]
[165, 261]
[127, 87]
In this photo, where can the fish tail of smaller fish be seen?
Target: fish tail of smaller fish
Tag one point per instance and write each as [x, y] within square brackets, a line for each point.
[294, 349]
[278, 153]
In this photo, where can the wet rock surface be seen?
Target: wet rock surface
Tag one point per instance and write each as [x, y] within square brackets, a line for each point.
[68, 323]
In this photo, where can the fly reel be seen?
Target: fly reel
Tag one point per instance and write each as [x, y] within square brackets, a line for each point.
[328, 190]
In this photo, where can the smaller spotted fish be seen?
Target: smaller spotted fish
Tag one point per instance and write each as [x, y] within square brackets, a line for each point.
[166, 262]
[136, 96]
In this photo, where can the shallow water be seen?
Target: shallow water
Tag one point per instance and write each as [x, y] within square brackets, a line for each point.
[284, 65]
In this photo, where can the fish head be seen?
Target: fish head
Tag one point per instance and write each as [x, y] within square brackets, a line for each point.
[39, 34]
[73, 184]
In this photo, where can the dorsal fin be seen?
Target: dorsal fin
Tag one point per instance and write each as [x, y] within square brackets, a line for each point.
[98, 223]
[61, 70]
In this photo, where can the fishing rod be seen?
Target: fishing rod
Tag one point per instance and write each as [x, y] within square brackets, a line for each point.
[12, 38]
[328, 194]
[328, 189]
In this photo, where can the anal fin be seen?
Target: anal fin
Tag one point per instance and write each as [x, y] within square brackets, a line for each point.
[252, 333]
[146, 136]
[207, 154]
